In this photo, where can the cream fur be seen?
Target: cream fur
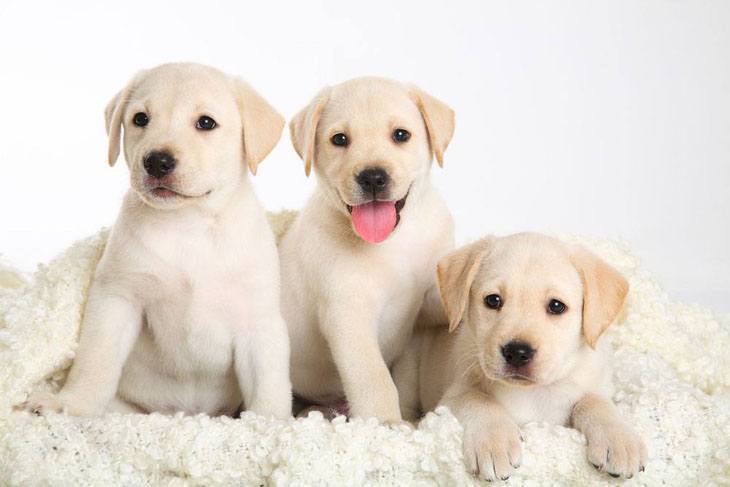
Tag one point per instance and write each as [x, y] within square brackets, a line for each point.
[350, 305]
[567, 381]
[183, 310]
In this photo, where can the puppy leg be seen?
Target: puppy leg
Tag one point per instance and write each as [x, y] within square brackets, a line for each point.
[110, 328]
[612, 445]
[491, 437]
[405, 377]
[351, 334]
[262, 367]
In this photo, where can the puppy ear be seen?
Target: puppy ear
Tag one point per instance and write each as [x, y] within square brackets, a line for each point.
[455, 274]
[303, 128]
[113, 120]
[439, 119]
[262, 125]
[604, 291]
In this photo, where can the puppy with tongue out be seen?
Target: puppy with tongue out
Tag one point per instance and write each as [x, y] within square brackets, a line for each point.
[375, 220]
[358, 263]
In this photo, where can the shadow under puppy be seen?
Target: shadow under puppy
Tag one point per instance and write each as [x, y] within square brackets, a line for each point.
[183, 310]
[529, 311]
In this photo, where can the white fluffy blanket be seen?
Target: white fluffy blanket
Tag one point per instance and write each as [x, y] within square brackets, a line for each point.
[672, 377]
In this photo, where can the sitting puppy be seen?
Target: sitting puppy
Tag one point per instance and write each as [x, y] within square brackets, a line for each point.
[183, 310]
[359, 258]
[531, 310]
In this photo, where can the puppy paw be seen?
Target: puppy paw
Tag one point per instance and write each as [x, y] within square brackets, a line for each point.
[42, 403]
[616, 449]
[46, 402]
[492, 451]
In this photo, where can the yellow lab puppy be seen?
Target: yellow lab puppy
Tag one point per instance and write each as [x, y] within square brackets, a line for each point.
[360, 257]
[529, 311]
[183, 311]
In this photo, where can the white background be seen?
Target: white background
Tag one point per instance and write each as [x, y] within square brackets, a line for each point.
[602, 118]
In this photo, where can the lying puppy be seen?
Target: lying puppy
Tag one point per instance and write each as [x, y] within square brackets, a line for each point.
[361, 255]
[531, 311]
[183, 310]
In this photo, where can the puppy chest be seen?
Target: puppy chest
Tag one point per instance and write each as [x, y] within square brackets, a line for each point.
[194, 327]
[550, 404]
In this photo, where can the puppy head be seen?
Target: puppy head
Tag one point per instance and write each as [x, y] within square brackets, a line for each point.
[188, 130]
[370, 140]
[529, 303]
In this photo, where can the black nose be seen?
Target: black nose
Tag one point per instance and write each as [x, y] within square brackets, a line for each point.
[372, 180]
[517, 354]
[159, 164]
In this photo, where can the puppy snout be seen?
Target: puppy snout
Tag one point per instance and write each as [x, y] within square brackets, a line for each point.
[517, 354]
[159, 164]
[373, 180]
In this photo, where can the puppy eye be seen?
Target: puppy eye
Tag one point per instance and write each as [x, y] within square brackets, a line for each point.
[205, 123]
[140, 119]
[493, 301]
[401, 135]
[340, 140]
[555, 307]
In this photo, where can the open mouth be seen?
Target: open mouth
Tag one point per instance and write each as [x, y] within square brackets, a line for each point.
[519, 379]
[165, 193]
[375, 221]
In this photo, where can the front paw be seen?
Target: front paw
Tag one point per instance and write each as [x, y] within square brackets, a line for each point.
[42, 403]
[492, 451]
[388, 414]
[616, 449]
[46, 402]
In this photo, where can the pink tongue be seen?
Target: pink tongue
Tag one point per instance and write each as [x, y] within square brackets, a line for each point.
[374, 221]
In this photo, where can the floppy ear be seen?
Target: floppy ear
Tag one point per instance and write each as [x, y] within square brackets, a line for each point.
[604, 291]
[439, 119]
[455, 274]
[262, 125]
[303, 128]
[113, 120]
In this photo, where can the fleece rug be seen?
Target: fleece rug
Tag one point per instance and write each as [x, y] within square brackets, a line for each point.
[672, 375]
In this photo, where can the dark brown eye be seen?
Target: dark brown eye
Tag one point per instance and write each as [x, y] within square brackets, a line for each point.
[340, 140]
[401, 135]
[140, 119]
[205, 123]
[493, 301]
[555, 307]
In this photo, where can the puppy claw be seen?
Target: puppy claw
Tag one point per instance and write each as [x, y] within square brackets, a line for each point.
[495, 450]
[623, 451]
[40, 403]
